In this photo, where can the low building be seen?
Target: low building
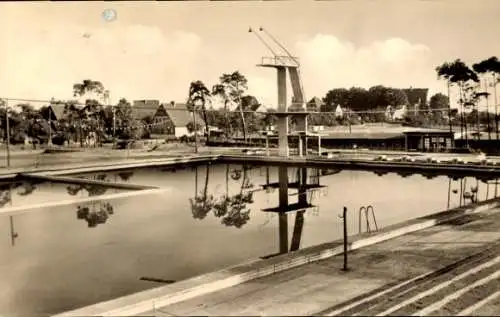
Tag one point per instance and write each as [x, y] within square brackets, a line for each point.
[314, 105]
[143, 109]
[173, 119]
[429, 140]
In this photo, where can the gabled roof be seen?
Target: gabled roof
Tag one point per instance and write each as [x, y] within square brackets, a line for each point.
[58, 110]
[314, 104]
[180, 115]
[417, 96]
[144, 108]
[249, 103]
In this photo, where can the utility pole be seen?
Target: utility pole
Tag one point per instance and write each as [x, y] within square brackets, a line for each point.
[49, 142]
[195, 127]
[7, 130]
[449, 108]
[344, 218]
[487, 108]
[496, 104]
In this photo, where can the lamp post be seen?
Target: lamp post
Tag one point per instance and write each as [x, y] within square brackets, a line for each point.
[196, 103]
[7, 131]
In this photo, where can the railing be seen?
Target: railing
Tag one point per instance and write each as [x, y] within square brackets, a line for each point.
[281, 61]
[366, 211]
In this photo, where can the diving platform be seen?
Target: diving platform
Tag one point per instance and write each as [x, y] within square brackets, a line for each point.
[289, 208]
[279, 61]
[294, 185]
[477, 169]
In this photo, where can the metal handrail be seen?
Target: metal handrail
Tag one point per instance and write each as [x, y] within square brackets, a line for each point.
[366, 210]
[363, 208]
[370, 207]
[281, 60]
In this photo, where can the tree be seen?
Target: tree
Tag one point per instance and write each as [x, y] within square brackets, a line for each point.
[202, 204]
[89, 88]
[192, 128]
[438, 101]
[93, 91]
[396, 97]
[459, 74]
[358, 99]
[491, 67]
[230, 89]
[198, 97]
[334, 97]
[128, 128]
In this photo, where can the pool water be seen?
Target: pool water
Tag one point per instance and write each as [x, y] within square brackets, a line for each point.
[203, 219]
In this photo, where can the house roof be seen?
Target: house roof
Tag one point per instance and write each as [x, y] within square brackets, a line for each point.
[58, 110]
[144, 108]
[417, 94]
[314, 104]
[249, 103]
[180, 116]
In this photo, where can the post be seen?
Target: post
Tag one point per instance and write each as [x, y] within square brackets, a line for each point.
[496, 104]
[344, 218]
[349, 121]
[449, 108]
[13, 234]
[49, 142]
[300, 146]
[449, 193]
[7, 132]
[267, 144]
[282, 107]
[487, 111]
[319, 145]
[195, 130]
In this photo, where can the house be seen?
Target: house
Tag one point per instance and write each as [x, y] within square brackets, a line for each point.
[56, 111]
[417, 96]
[173, 119]
[249, 103]
[339, 112]
[142, 109]
[400, 113]
[314, 105]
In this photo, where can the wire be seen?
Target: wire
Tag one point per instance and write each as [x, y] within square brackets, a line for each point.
[181, 107]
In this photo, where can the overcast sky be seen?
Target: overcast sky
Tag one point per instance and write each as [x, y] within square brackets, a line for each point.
[153, 50]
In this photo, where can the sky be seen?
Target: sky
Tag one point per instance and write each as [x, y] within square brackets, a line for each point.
[153, 50]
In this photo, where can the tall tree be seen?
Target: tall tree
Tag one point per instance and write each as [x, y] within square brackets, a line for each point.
[438, 101]
[358, 99]
[378, 97]
[334, 97]
[396, 97]
[490, 67]
[230, 89]
[89, 88]
[93, 92]
[459, 74]
[444, 72]
[198, 97]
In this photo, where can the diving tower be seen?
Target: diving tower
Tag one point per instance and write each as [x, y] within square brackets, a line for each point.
[287, 64]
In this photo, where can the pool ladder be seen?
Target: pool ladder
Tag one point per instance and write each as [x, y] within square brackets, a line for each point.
[367, 211]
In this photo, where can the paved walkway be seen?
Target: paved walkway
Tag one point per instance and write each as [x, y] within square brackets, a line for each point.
[375, 283]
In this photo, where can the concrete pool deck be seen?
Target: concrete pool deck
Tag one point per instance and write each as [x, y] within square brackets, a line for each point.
[83, 161]
[304, 282]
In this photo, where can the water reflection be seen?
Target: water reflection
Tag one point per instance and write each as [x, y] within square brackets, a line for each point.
[232, 209]
[161, 236]
[94, 213]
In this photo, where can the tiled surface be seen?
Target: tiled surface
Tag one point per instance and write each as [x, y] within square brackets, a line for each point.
[311, 288]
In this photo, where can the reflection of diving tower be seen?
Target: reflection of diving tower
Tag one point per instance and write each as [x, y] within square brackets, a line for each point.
[284, 63]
